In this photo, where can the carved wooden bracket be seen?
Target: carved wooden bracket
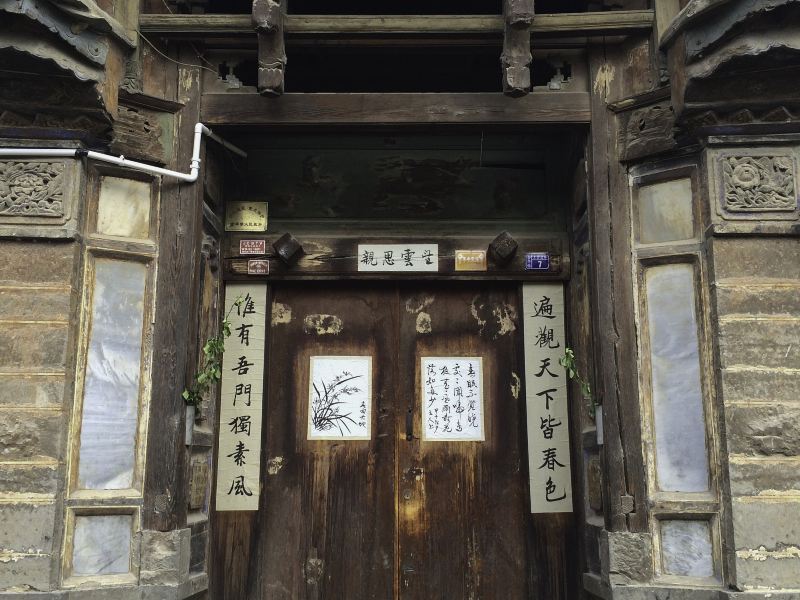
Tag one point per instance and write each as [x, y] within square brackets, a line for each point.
[268, 21]
[516, 57]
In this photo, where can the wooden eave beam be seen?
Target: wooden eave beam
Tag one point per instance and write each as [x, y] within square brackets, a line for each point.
[395, 108]
[566, 24]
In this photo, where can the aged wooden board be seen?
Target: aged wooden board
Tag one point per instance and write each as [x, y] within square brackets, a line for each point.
[181, 218]
[325, 256]
[421, 109]
[616, 371]
[574, 24]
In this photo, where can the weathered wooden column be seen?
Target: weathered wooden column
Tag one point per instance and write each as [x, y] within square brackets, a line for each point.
[516, 56]
[268, 21]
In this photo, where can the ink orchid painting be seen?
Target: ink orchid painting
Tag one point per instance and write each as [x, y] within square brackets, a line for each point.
[339, 398]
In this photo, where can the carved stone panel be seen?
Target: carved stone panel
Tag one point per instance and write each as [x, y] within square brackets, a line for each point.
[756, 184]
[32, 188]
[37, 197]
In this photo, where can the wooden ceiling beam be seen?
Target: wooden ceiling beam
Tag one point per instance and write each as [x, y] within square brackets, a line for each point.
[395, 108]
[566, 24]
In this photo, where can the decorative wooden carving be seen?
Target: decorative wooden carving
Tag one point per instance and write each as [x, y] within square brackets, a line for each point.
[516, 56]
[759, 183]
[647, 130]
[268, 21]
[715, 119]
[32, 189]
[65, 104]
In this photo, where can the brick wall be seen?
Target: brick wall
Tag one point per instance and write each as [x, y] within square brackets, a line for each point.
[36, 294]
[756, 282]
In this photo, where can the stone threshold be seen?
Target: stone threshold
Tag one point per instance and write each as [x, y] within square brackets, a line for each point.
[195, 584]
[597, 587]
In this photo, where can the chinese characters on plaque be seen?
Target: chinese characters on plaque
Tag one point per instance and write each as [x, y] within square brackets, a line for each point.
[452, 398]
[241, 398]
[546, 398]
[398, 258]
[339, 398]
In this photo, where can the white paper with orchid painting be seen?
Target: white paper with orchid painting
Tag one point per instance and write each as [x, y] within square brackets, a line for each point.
[340, 398]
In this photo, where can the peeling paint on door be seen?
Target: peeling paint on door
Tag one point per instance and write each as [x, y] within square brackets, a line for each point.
[516, 385]
[281, 313]
[494, 320]
[423, 323]
[418, 303]
[322, 324]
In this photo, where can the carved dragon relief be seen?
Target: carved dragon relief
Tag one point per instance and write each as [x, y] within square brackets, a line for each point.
[32, 189]
[758, 184]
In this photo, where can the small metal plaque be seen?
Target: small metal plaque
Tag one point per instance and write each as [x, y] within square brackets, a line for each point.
[537, 261]
[246, 216]
[250, 247]
[470, 260]
[257, 266]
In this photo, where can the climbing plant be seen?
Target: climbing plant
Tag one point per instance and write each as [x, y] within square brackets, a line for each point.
[569, 362]
[211, 371]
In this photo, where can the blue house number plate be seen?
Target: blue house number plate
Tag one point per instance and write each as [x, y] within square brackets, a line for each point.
[537, 261]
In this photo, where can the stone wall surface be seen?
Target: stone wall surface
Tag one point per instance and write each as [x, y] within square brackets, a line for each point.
[36, 293]
[756, 286]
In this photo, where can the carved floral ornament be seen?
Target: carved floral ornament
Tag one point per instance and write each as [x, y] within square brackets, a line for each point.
[759, 183]
[32, 189]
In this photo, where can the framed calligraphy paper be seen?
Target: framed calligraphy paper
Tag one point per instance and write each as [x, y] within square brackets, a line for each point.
[241, 397]
[340, 398]
[452, 398]
[546, 398]
[398, 258]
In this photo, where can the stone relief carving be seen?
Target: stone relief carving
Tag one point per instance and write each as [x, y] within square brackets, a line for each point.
[759, 183]
[32, 189]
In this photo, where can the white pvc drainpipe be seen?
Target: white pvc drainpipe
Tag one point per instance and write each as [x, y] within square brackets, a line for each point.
[190, 177]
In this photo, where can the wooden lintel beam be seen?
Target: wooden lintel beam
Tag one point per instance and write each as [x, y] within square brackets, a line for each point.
[268, 20]
[516, 57]
[567, 24]
[390, 109]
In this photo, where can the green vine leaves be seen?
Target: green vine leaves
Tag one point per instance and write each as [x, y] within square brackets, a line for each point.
[211, 372]
[571, 365]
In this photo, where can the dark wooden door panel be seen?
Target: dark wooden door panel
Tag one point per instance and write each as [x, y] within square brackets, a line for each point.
[393, 517]
[327, 521]
[463, 524]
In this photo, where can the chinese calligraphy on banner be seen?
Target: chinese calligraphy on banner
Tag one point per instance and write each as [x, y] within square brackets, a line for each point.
[339, 398]
[242, 391]
[452, 398]
[546, 398]
[411, 258]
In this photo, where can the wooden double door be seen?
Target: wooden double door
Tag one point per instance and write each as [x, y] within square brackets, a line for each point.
[396, 515]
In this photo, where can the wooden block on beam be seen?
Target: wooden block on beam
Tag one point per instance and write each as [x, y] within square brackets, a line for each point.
[516, 61]
[519, 13]
[516, 57]
[268, 17]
